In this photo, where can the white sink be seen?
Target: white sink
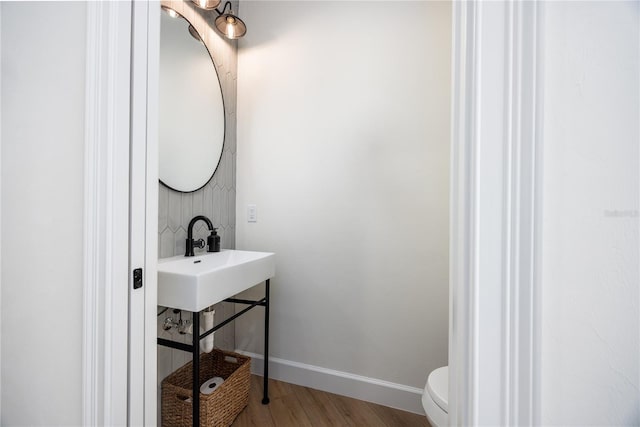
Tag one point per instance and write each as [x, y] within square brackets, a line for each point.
[194, 283]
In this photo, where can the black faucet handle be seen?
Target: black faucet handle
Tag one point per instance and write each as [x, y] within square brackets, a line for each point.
[198, 243]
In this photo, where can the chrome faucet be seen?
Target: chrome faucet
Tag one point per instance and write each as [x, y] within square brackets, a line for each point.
[212, 243]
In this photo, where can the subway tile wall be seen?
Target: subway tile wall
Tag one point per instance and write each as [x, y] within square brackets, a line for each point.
[217, 200]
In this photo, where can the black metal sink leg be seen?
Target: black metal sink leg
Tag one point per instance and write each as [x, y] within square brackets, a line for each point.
[265, 399]
[195, 398]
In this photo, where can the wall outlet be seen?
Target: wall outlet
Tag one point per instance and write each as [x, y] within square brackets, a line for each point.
[252, 213]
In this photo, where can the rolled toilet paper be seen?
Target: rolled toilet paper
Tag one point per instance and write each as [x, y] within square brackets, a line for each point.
[206, 344]
[211, 385]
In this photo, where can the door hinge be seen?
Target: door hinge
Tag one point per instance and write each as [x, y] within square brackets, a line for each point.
[137, 278]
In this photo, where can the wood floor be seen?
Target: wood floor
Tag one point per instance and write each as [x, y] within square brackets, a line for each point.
[297, 406]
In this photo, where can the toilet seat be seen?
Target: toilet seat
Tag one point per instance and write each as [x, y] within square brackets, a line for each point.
[438, 387]
[436, 396]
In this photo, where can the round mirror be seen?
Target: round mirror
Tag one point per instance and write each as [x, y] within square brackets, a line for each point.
[191, 108]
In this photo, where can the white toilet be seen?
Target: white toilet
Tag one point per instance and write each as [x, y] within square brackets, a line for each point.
[436, 397]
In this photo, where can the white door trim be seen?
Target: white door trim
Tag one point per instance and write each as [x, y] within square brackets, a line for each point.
[0, 206]
[144, 213]
[495, 206]
[151, 389]
[137, 200]
[106, 214]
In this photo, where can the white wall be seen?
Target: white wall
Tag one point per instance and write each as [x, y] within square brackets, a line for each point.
[591, 321]
[43, 66]
[343, 145]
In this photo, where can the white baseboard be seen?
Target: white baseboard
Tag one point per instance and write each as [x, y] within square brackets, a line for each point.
[343, 383]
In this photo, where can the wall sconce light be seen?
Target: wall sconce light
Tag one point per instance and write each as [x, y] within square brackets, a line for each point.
[172, 13]
[194, 34]
[227, 24]
[206, 4]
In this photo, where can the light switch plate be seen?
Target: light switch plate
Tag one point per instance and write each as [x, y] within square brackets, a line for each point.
[252, 213]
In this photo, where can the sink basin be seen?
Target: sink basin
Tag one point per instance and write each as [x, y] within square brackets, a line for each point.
[195, 283]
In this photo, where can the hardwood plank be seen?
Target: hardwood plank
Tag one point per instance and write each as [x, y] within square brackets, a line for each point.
[319, 408]
[356, 412]
[285, 407]
[396, 417]
[296, 406]
[255, 414]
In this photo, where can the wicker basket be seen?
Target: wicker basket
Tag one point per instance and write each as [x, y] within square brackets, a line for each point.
[217, 409]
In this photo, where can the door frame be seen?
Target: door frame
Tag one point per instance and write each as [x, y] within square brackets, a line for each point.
[495, 234]
[143, 228]
[106, 214]
[0, 207]
[120, 181]
[494, 324]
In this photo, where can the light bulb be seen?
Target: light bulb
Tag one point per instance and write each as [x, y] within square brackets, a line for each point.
[206, 4]
[231, 27]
